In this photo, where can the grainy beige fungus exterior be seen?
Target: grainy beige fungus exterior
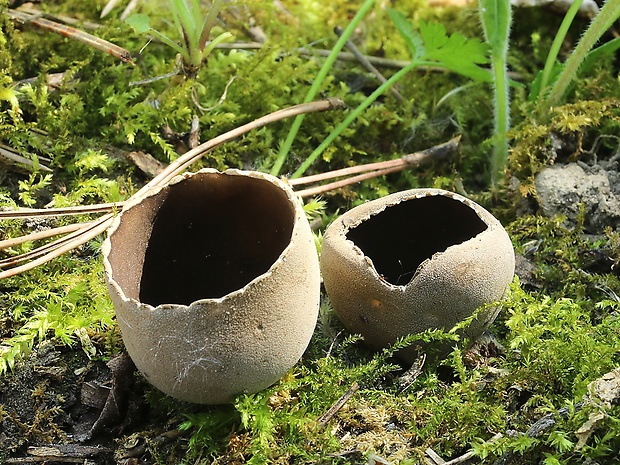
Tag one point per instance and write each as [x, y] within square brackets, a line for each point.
[215, 281]
[415, 260]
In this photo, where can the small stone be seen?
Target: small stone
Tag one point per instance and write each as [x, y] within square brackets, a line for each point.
[566, 189]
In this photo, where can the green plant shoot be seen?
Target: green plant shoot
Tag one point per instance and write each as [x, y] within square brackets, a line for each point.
[314, 89]
[557, 43]
[193, 31]
[431, 46]
[608, 15]
[495, 16]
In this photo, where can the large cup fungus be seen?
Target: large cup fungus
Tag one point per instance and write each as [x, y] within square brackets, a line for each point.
[215, 282]
[415, 260]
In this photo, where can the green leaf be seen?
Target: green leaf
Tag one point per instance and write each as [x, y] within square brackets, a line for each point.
[607, 49]
[455, 52]
[411, 36]
[550, 460]
[536, 86]
[140, 23]
[434, 35]
[560, 441]
[191, 26]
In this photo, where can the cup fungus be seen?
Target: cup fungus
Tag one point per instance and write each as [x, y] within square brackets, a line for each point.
[215, 281]
[415, 260]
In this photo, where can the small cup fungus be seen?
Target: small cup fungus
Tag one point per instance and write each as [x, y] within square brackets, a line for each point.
[215, 282]
[415, 260]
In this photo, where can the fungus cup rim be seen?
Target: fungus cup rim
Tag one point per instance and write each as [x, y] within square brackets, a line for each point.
[345, 224]
[136, 201]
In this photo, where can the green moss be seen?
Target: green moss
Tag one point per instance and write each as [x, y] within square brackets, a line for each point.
[560, 328]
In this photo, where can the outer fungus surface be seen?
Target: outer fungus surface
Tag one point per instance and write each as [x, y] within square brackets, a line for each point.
[415, 260]
[215, 282]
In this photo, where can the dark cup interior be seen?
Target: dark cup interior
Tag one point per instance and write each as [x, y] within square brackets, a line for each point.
[203, 237]
[399, 238]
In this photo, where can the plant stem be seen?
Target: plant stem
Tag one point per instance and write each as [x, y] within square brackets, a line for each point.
[496, 17]
[557, 43]
[352, 116]
[327, 65]
[502, 118]
[599, 25]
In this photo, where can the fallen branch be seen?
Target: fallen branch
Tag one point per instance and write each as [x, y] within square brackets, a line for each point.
[72, 33]
[40, 235]
[99, 226]
[329, 414]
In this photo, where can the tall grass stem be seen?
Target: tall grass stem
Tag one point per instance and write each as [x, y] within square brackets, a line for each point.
[557, 43]
[606, 17]
[353, 115]
[496, 16]
[285, 148]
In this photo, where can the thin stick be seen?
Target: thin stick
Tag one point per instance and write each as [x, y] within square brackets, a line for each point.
[98, 227]
[29, 8]
[318, 190]
[412, 159]
[327, 416]
[41, 235]
[367, 64]
[188, 158]
[108, 7]
[72, 33]
[468, 455]
[385, 167]
[435, 457]
[46, 248]
[77, 210]
[18, 159]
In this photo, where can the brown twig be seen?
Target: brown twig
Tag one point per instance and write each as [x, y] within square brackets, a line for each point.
[368, 65]
[376, 169]
[29, 8]
[191, 156]
[70, 242]
[40, 235]
[100, 225]
[329, 414]
[318, 190]
[72, 33]
[437, 152]
[385, 62]
[64, 211]
[17, 159]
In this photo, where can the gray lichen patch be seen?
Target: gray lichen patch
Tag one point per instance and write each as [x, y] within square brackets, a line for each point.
[580, 192]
